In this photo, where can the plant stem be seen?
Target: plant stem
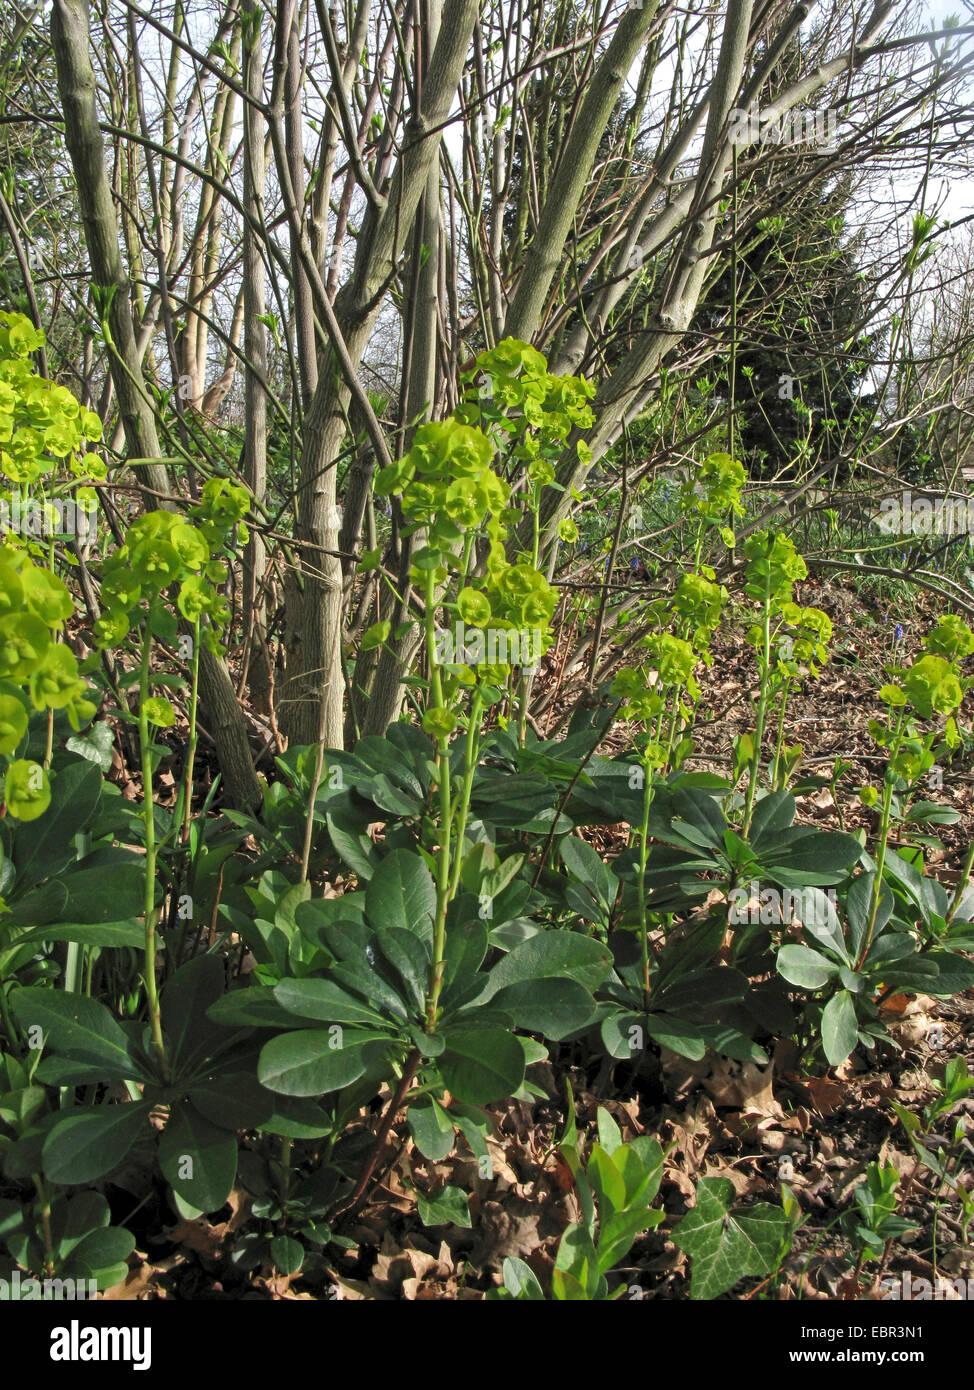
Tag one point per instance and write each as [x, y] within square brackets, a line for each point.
[962, 883]
[405, 1081]
[193, 737]
[148, 816]
[780, 738]
[11, 1029]
[644, 860]
[286, 1146]
[442, 889]
[884, 824]
[443, 855]
[45, 1201]
[762, 710]
[641, 881]
[469, 769]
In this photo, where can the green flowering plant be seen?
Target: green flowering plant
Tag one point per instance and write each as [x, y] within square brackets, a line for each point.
[786, 639]
[44, 433]
[800, 644]
[662, 693]
[163, 549]
[713, 494]
[529, 414]
[513, 420]
[700, 602]
[165, 555]
[455, 487]
[417, 991]
[929, 690]
[893, 928]
[37, 671]
[42, 425]
[654, 694]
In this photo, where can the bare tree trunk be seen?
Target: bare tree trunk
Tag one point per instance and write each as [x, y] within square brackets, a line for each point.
[206, 242]
[624, 393]
[574, 171]
[76, 85]
[314, 690]
[255, 350]
[289, 53]
[395, 658]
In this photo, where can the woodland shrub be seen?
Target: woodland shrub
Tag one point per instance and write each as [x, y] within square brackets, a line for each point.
[478, 931]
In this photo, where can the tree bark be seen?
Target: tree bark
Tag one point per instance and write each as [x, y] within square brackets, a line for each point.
[255, 350]
[313, 696]
[76, 86]
[574, 170]
[395, 657]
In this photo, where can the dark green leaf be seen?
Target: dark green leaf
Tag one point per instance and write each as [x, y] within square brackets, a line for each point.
[482, 1065]
[78, 1028]
[431, 1128]
[46, 846]
[401, 894]
[287, 1254]
[233, 1100]
[549, 955]
[314, 1061]
[552, 1007]
[324, 1001]
[198, 1159]
[130, 933]
[90, 1142]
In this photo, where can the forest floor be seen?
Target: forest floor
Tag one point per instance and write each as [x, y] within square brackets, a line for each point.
[753, 1125]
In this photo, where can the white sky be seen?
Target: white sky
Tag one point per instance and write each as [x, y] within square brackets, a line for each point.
[959, 200]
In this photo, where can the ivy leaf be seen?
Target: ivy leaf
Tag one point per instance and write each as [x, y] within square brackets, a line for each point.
[95, 745]
[725, 1247]
[446, 1207]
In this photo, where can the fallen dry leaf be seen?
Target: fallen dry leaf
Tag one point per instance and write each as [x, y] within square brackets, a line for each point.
[743, 1086]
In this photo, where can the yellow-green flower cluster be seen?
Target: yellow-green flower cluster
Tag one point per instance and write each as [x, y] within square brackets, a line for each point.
[715, 491]
[773, 567]
[510, 386]
[700, 602]
[41, 424]
[448, 486]
[35, 671]
[808, 629]
[161, 549]
[930, 688]
[671, 664]
[34, 603]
